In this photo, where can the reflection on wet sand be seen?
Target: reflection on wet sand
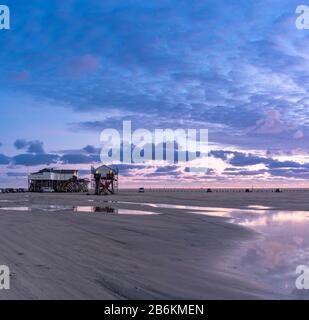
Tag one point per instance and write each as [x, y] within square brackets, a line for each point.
[111, 210]
[271, 259]
[173, 206]
[15, 208]
[282, 246]
[85, 209]
[51, 208]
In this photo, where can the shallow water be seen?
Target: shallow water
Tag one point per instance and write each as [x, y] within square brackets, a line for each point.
[92, 209]
[283, 245]
[77, 209]
[51, 208]
[15, 208]
[166, 206]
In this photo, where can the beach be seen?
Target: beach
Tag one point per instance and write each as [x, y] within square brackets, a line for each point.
[131, 246]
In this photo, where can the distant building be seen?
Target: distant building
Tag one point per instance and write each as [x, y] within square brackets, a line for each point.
[104, 180]
[57, 179]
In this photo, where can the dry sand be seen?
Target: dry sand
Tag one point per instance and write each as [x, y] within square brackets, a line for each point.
[173, 255]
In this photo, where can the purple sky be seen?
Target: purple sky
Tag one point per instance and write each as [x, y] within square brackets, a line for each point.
[240, 69]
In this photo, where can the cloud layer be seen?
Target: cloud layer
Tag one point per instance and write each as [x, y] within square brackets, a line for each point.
[233, 67]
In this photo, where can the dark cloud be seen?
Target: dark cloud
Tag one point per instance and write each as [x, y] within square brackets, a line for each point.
[20, 144]
[239, 159]
[301, 173]
[285, 164]
[91, 149]
[166, 169]
[244, 172]
[35, 146]
[4, 159]
[34, 159]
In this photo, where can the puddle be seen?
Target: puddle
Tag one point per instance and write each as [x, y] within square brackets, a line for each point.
[86, 209]
[166, 206]
[258, 207]
[112, 210]
[15, 208]
[195, 208]
[283, 245]
[51, 208]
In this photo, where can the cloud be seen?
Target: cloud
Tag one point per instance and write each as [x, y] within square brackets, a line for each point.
[301, 173]
[272, 124]
[285, 164]
[35, 146]
[4, 159]
[34, 159]
[166, 169]
[298, 134]
[239, 173]
[20, 144]
[239, 159]
[242, 165]
[91, 149]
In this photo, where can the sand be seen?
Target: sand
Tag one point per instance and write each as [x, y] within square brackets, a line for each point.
[173, 255]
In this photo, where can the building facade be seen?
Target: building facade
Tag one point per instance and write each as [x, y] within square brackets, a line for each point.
[57, 179]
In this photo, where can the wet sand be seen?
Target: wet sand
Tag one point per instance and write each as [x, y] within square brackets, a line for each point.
[174, 254]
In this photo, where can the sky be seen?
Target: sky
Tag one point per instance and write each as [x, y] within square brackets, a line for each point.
[70, 69]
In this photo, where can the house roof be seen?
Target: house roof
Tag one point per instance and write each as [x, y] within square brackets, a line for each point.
[60, 171]
[104, 168]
